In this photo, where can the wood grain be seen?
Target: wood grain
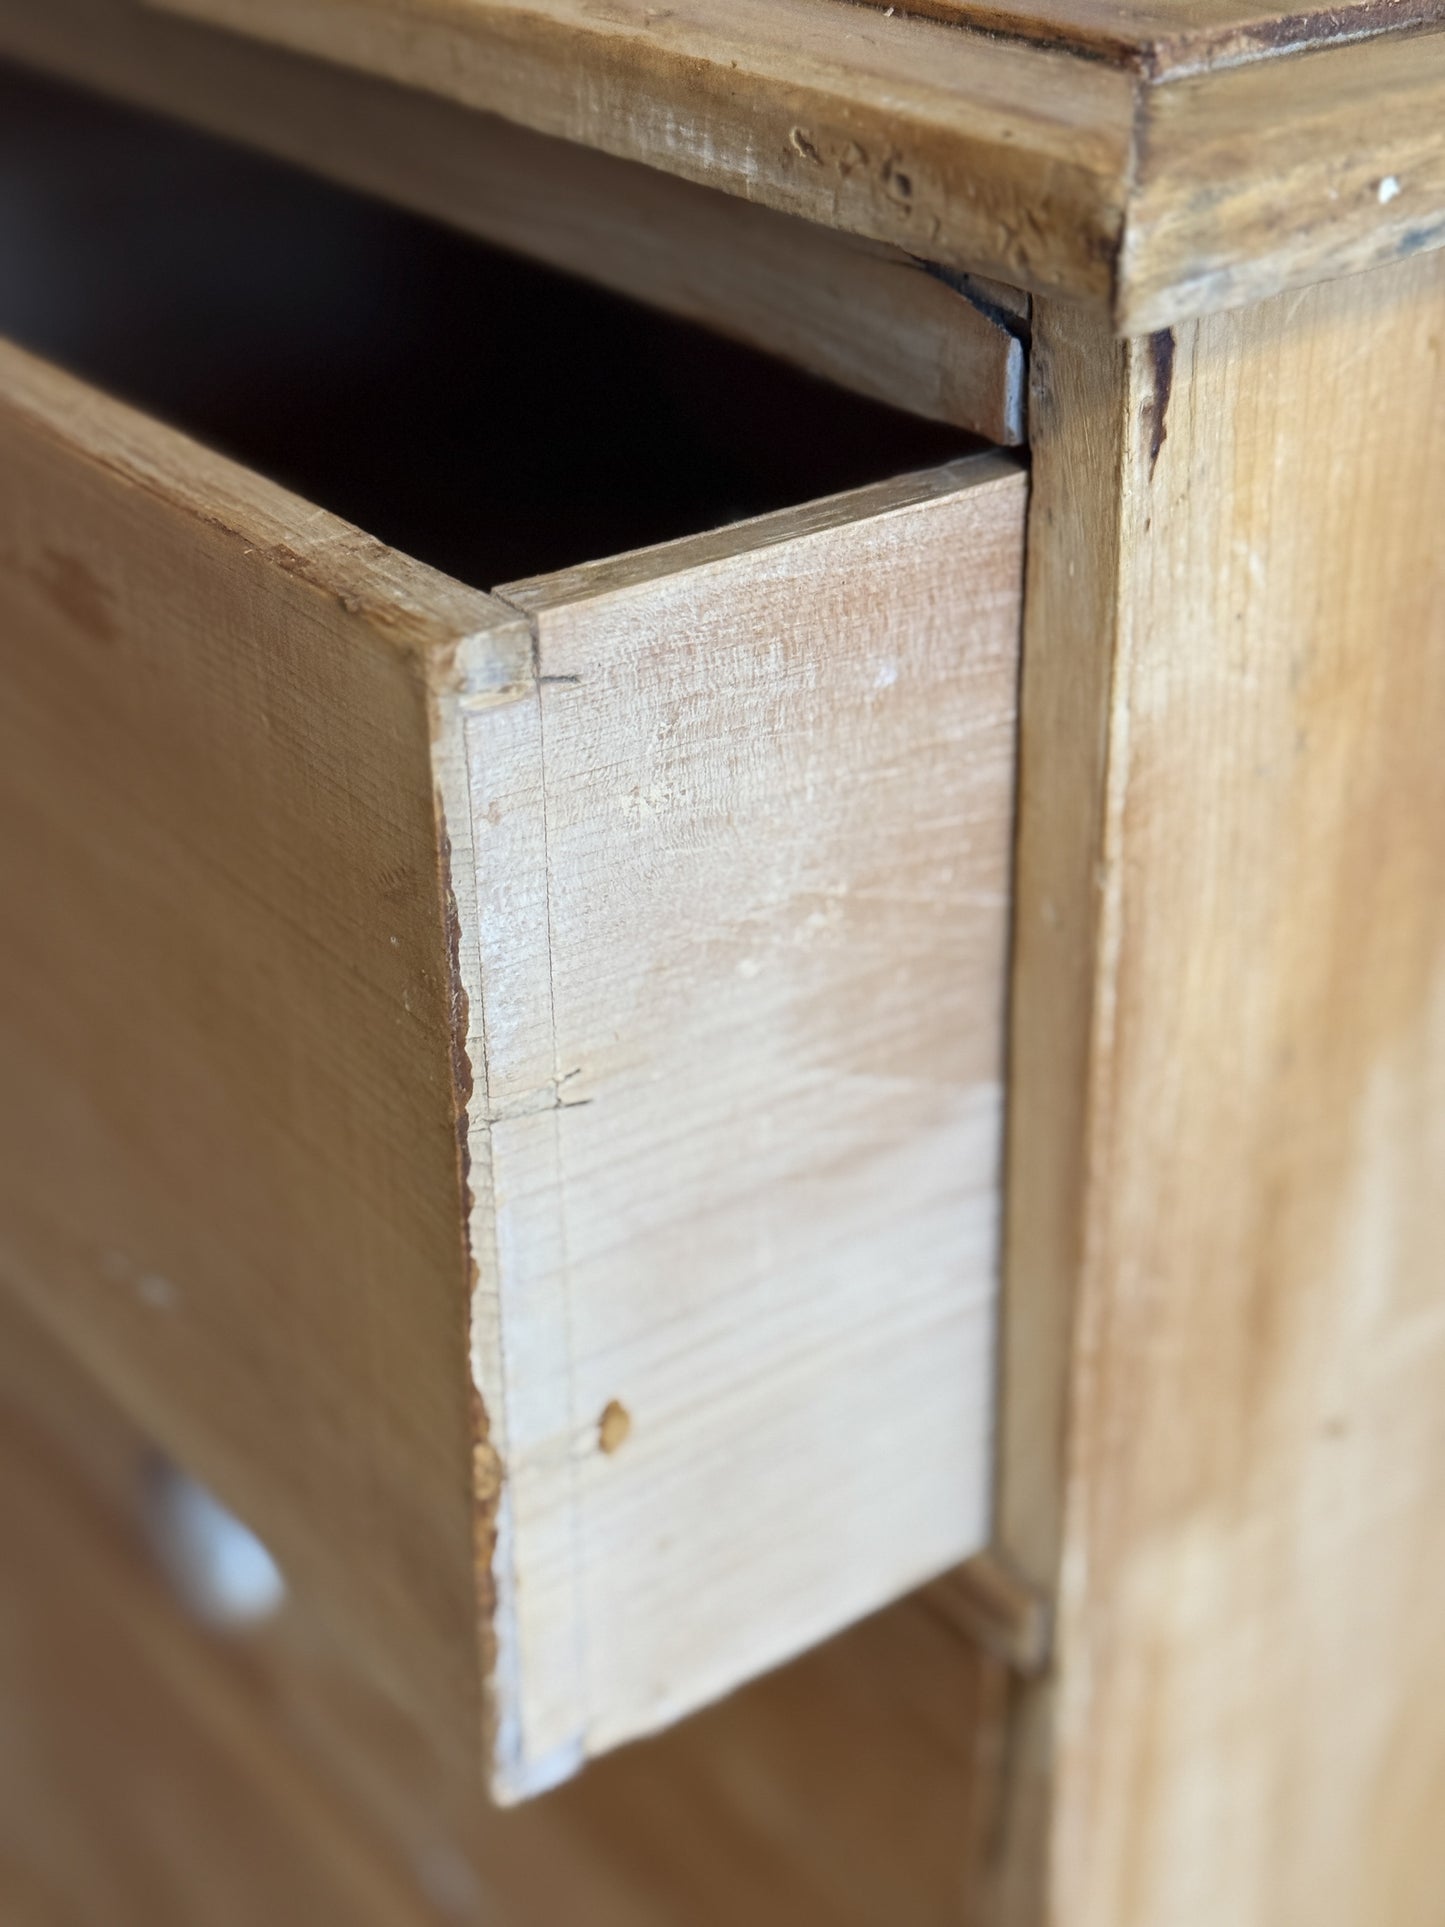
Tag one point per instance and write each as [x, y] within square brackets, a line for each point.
[230, 1170]
[152, 1775]
[1163, 38]
[868, 316]
[999, 159]
[1156, 181]
[1348, 173]
[742, 1027]
[1225, 1219]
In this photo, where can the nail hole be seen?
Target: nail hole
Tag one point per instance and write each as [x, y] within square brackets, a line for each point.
[614, 1426]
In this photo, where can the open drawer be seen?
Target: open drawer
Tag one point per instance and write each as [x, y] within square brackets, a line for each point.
[507, 1085]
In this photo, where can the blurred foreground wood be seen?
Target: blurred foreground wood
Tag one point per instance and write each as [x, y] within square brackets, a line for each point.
[153, 1774]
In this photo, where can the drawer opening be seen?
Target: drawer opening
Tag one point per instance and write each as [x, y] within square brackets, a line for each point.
[489, 416]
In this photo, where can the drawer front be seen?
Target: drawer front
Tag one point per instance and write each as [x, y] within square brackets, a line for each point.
[508, 1087]
[147, 1774]
[230, 1173]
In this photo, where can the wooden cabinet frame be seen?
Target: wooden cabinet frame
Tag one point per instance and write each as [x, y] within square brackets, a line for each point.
[1223, 1443]
[1201, 1662]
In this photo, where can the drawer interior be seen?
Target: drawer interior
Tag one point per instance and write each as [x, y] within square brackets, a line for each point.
[491, 417]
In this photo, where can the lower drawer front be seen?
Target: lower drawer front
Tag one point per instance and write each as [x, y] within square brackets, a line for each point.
[158, 1773]
[508, 1087]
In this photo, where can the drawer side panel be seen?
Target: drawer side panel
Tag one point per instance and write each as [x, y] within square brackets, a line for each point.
[778, 801]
